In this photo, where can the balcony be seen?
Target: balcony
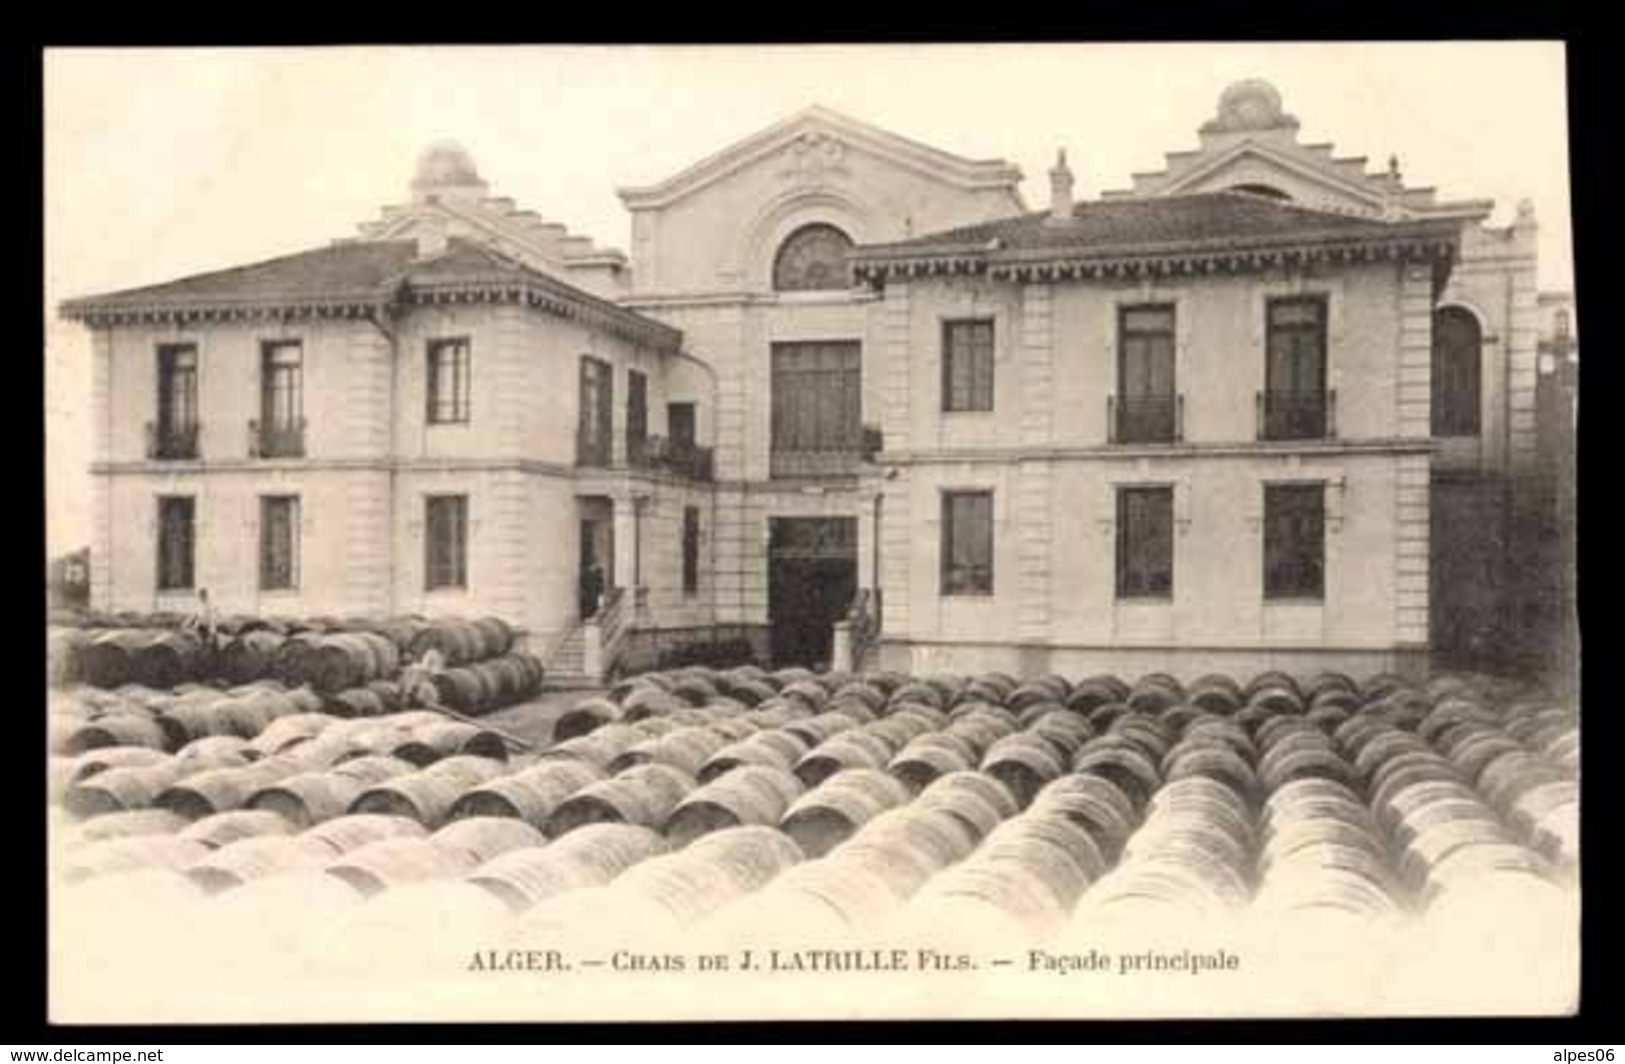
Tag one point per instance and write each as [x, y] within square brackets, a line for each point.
[844, 462]
[676, 457]
[1146, 418]
[172, 443]
[1296, 415]
[283, 440]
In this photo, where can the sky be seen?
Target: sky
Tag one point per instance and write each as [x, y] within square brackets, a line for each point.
[160, 163]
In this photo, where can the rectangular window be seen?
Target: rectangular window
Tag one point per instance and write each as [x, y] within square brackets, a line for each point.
[817, 419]
[279, 542]
[597, 410]
[680, 426]
[691, 550]
[282, 400]
[1145, 375]
[1294, 541]
[176, 542]
[967, 365]
[176, 435]
[1145, 542]
[1295, 369]
[446, 538]
[448, 382]
[967, 543]
[637, 415]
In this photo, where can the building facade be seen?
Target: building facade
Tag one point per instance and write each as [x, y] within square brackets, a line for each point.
[849, 397]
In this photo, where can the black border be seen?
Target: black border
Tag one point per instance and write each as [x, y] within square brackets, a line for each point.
[1591, 148]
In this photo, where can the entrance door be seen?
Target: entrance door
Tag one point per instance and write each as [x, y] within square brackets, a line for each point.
[812, 574]
[597, 571]
[1465, 587]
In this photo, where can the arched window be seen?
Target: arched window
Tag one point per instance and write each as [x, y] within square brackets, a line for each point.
[1456, 363]
[1268, 191]
[812, 259]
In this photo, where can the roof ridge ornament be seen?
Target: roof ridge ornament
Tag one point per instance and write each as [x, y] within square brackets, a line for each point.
[1248, 106]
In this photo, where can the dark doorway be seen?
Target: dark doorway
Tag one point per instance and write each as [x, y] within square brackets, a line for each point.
[812, 574]
[1466, 593]
[597, 571]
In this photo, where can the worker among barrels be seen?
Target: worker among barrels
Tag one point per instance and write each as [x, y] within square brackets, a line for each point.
[203, 624]
[417, 679]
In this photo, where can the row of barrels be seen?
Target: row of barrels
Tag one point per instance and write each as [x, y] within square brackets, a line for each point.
[1201, 775]
[331, 654]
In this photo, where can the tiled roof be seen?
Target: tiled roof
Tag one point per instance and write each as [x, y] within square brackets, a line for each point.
[355, 277]
[1171, 226]
[340, 271]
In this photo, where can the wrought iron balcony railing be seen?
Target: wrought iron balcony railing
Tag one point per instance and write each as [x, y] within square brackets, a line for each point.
[1297, 415]
[276, 440]
[172, 442]
[1145, 418]
[678, 457]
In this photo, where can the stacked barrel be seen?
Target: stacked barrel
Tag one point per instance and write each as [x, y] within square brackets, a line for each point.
[742, 801]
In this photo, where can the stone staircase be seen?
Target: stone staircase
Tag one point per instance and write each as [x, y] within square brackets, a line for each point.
[566, 666]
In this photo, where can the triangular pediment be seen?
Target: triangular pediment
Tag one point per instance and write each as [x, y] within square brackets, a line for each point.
[818, 139]
[1306, 179]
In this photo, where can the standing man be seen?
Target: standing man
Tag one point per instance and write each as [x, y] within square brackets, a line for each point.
[417, 679]
[202, 624]
[592, 589]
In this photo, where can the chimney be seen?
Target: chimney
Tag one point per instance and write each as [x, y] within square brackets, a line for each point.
[1060, 190]
[431, 235]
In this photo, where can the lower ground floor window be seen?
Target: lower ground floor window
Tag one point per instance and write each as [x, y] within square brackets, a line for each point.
[1294, 541]
[279, 542]
[967, 543]
[177, 516]
[1145, 542]
[446, 541]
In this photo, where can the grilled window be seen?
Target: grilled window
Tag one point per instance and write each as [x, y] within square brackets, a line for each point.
[176, 542]
[967, 365]
[282, 386]
[812, 259]
[967, 543]
[1456, 388]
[817, 408]
[1295, 371]
[448, 382]
[1145, 542]
[177, 389]
[691, 549]
[637, 414]
[446, 524]
[1294, 541]
[597, 411]
[279, 542]
[1145, 374]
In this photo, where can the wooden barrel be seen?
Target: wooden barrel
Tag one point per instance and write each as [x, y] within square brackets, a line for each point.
[216, 751]
[931, 756]
[484, 838]
[289, 731]
[906, 846]
[750, 795]
[396, 862]
[120, 788]
[833, 811]
[352, 831]
[310, 798]
[428, 743]
[428, 794]
[685, 749]
[976, 799]
[1057, 852]
[769, 748]
[644, 795]
[1093, 803]
[588, 857]
[1062, 729]
[116, 729]
[975, 892]
[1024, 763]
[529, 795]
[256, 858]
[849, 749]
[1123, 763]
[222, 829]
[201, 794]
